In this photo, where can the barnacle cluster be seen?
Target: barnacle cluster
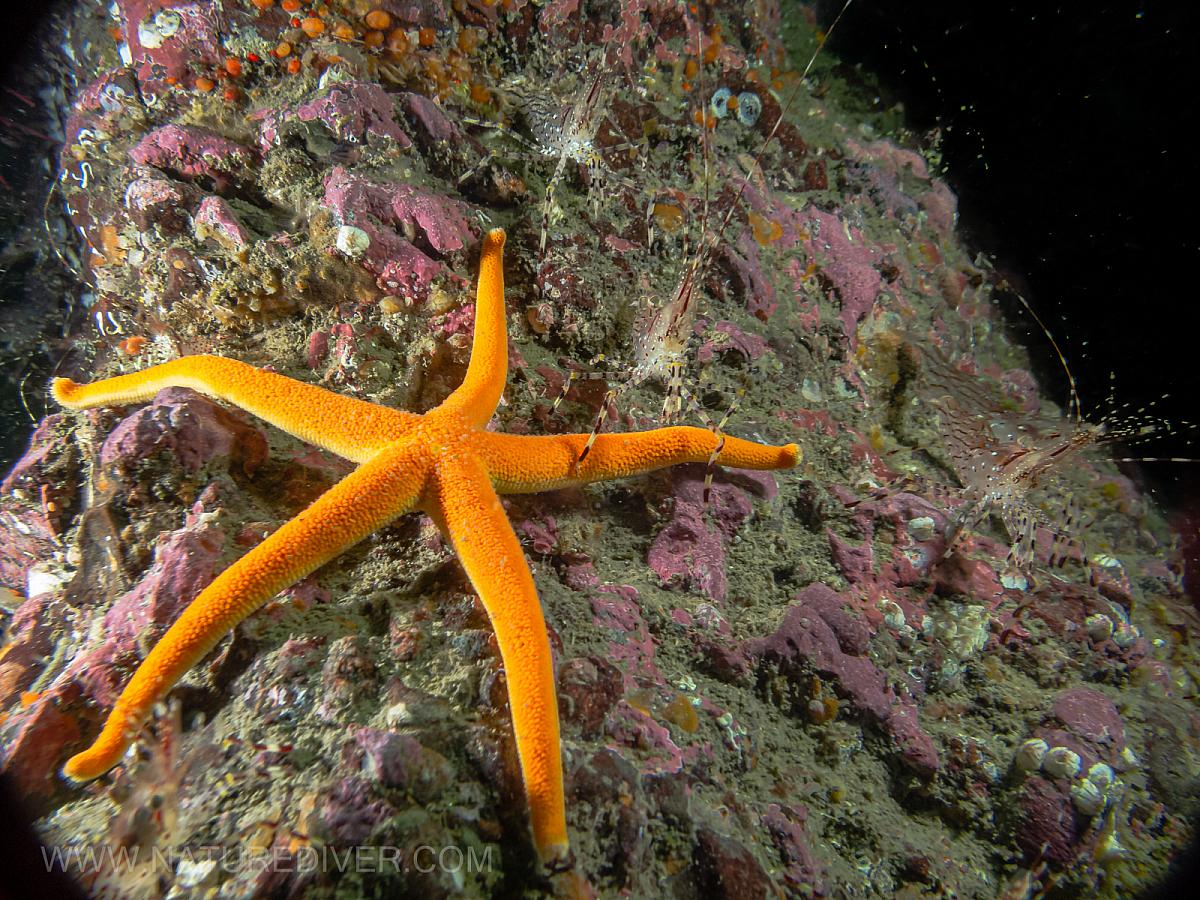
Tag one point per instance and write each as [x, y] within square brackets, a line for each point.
[1090, 791]
[746, 105]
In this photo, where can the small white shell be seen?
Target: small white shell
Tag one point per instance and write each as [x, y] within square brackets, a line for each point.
[1099, 627]
[1088, 798]
[168, 21]
[352, 241]
[1061, 762]
[1101, 775]
[1030, 755]
[151, 34]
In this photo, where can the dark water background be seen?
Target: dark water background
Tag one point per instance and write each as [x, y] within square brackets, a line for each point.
[35, 290]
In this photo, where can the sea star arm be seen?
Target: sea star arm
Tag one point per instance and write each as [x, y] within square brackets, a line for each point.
[368, 498]
[472, 518]
[479, 394]
[521, 464]
[351, 428]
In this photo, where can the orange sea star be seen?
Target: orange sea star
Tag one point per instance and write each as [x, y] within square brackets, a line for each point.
[443, 463]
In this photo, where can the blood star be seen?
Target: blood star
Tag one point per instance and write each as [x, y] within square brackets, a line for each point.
[444, 463]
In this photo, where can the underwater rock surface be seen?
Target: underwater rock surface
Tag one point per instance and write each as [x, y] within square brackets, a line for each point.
[817, 682]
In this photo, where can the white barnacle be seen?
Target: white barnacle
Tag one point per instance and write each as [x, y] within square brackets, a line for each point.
[352, 241]
[44, 578]
[1061, 762]
[1088, 797]
[168, 21]
[1030, 755]
[148, 35]
[112, 97]
[893, 615]
[1100, 774]
[153, 32]
[1110, 849]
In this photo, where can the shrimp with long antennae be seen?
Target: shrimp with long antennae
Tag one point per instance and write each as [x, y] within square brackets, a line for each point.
[1014, 464]
[564, 131]
[662, 339]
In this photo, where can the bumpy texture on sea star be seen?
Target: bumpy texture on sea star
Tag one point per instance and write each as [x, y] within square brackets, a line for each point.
[443, 463]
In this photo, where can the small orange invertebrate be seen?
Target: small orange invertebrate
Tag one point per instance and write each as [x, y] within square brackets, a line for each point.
[397, 41]
[378, 20]
[133, 345]
[766, 231]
